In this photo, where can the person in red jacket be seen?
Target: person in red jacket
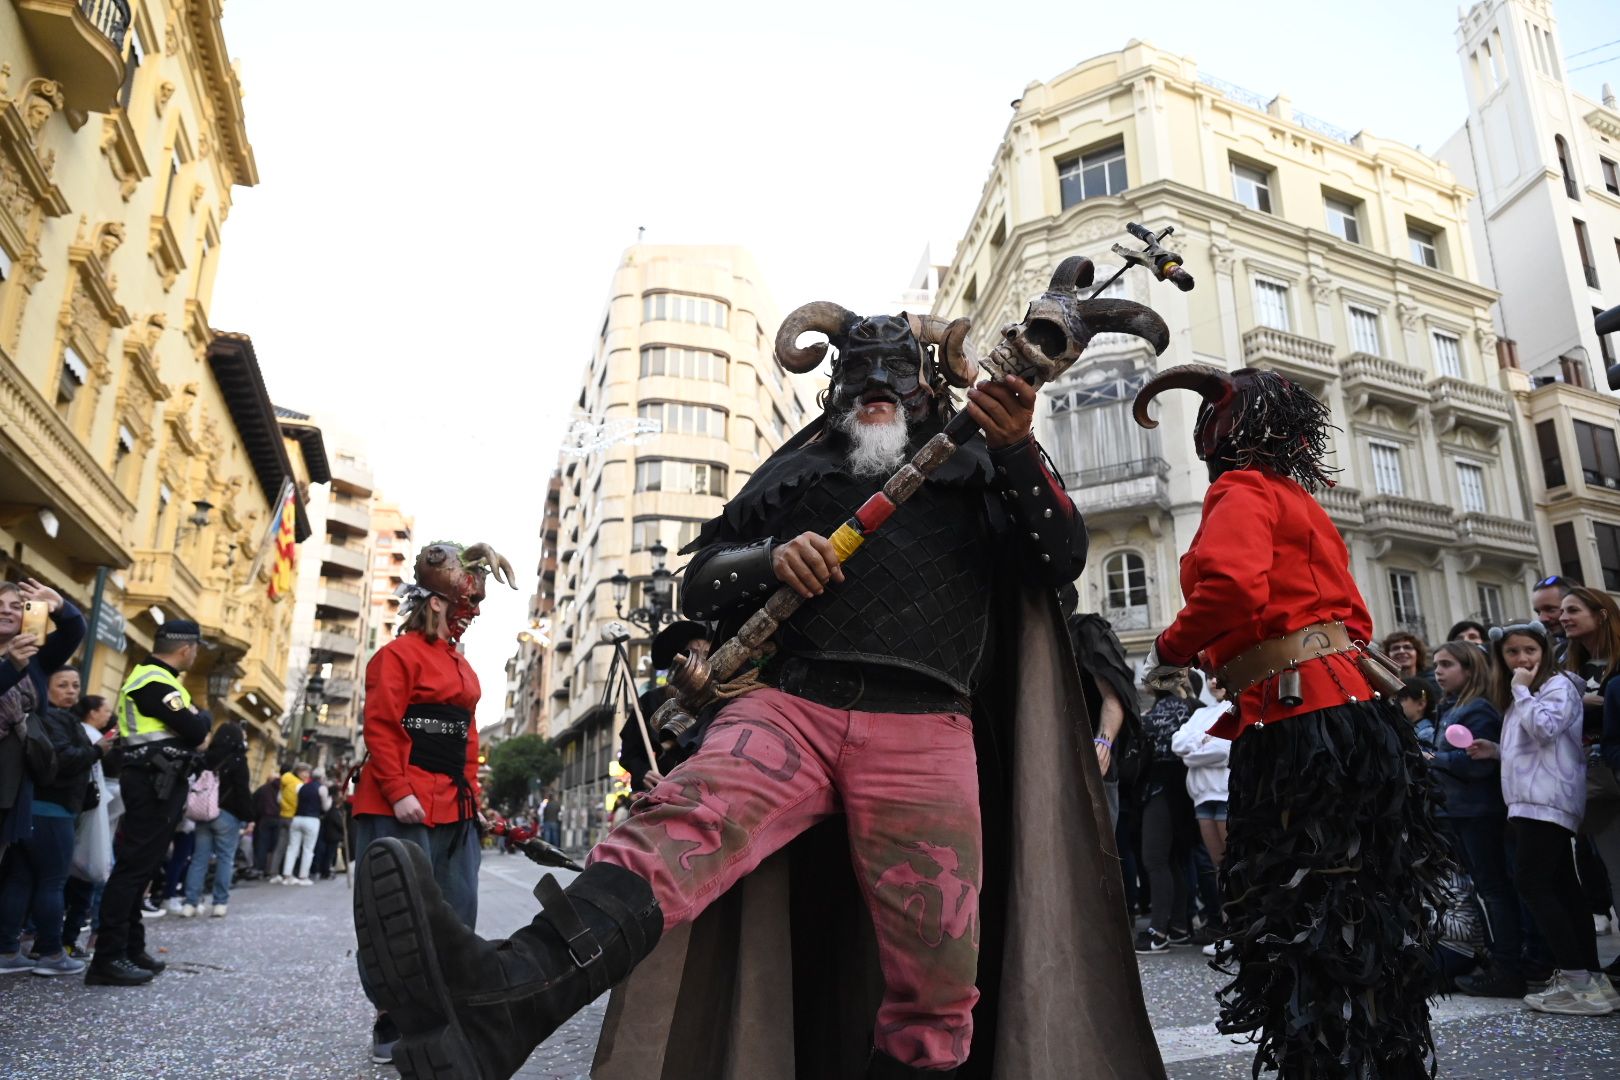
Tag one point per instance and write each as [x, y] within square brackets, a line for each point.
[419, 781]
[1332, 851]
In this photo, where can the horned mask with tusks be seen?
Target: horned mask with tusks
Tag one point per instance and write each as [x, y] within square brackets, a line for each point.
[914, 360]
[454, 574]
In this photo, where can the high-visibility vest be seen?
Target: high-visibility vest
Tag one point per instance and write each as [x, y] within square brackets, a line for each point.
[135, 726]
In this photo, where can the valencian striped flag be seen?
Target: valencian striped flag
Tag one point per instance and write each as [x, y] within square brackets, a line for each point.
[286, 548]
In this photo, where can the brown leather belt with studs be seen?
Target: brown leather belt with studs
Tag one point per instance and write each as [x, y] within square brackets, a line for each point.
[1270, 658]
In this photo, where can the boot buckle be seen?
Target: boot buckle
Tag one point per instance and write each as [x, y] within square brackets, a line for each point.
[574, 950]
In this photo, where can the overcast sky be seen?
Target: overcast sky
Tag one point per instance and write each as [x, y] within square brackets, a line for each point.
[446, 188]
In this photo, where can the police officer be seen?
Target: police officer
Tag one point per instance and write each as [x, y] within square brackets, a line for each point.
[160, 730]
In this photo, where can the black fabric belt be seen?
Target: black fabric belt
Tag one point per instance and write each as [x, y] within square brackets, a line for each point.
[864, 687]
[438, 734]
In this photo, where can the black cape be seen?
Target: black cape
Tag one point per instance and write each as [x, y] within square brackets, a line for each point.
[778, 978]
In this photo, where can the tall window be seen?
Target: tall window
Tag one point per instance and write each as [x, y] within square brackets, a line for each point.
[1569, 552]
[1471, 485]
[682, 419]
[1584, 242]
[1364, 331]
[1447, 354]
[1086, 176]
[124, 458]
[1611, 176]
[1552, 462]
[175, 162]
[1251, 187]
[687, 477]
[1608, 547]
[1603, 343]
[1425, 252]
[683, 307]
[70, 378]
[160, 520]
[1341, 220]
[1403, 598]
[1600, 461]
[1271, 304]
[1564, 167]
[1125, 580]
[1490, 604]
[131, 63]
[1386, 463]
[675, 533]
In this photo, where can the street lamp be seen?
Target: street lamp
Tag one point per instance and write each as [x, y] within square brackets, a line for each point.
[659, 608]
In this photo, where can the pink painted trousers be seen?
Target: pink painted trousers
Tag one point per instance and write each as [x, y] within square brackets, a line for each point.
[771, 766]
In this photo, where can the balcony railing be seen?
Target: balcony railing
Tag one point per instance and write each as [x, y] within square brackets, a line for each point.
[343, 558]
[1289, 354]
[111, 17]
[1369, 379]
[334, 642]
[344, 600]
[1134, 617]
[1123, 486]
[1343, 505]
[1489, 533]
[1591, 275]
[1397, 517]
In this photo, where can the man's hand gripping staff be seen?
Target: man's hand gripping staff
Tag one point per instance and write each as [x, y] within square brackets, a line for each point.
[1053, 333]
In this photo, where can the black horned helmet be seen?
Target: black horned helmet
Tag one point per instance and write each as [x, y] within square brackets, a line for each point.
[1250, 418]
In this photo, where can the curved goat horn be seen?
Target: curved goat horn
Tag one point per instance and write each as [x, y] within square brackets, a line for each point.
[1111, 316]
[1075, 272]
[960, 362]
[821, 315]
[498, 565]
[1211, 383]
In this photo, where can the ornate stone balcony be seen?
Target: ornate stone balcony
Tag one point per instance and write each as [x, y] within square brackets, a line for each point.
[80, 44]
[1375, 380]
[1130, 485]
[1301, 358]
[1503, 537]
[1343, 505]
[161, 578]
[1457, 401]
[1392, 519]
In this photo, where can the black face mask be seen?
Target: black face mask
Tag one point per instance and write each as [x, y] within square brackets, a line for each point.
[880, 355]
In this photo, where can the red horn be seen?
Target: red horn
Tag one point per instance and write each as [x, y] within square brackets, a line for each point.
[1211, 383]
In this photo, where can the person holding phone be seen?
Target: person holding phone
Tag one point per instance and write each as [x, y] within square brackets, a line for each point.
[25, 659]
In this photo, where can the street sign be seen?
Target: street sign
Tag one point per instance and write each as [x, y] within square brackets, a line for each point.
[110, 628]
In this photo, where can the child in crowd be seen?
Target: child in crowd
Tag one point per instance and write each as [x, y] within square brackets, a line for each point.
[1544, 785]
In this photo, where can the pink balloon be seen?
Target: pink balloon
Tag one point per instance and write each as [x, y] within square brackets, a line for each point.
[1459, 736]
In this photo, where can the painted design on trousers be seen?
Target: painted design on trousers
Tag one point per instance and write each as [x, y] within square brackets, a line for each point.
[901, 1033]
[694, 819]
[788, 754]
[942, 902]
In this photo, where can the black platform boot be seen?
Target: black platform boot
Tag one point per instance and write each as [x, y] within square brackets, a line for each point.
[470, 1009]
[884, 1067]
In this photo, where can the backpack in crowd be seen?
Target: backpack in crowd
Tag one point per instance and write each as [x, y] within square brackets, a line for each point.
[202, 802]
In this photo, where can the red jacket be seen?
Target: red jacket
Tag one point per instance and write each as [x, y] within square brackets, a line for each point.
[412, 670]
[1266, 561]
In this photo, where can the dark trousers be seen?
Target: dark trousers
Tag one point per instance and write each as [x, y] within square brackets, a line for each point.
[31, 878]
[1482, 843]
[143, 841]
[1165, 823]
[1544, 872]
[265, 835]
[79, 899]
[174, 874]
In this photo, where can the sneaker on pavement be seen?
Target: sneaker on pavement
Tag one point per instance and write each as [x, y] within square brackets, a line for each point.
[1567, 997]
[15, 963]
[1151, 942]
[219, 911]
[151, 910]
[174, 905]
[276, 879]
[119, 972]
[60, 964]
[76, 952]
[1492, 982]
[301, 881]
[187, 910]
[384, 1034]
[147, 962]
[1607, 988]
[1180, 937]
[1211, 948]
[1600, 925]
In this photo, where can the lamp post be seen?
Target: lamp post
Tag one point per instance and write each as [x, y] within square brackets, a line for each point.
[658, 610]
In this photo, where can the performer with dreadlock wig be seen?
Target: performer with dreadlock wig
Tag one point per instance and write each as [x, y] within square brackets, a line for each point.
[1332, 847]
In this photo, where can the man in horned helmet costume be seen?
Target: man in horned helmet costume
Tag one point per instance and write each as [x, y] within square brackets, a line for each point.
[419, 781]
[1332, 851]
[890, 857]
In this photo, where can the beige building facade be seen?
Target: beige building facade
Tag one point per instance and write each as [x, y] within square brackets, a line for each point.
[1343, 261]
[1546, 162]
[135, 439]
[685, 348]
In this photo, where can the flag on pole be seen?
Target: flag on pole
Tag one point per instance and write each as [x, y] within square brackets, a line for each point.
[285, 555]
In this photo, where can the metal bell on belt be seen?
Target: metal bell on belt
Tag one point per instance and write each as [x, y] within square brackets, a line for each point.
[1288, 691]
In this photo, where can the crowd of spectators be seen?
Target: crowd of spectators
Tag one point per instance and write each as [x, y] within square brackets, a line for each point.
[1520, 726]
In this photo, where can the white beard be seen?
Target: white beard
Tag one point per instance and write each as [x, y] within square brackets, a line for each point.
[875, 449]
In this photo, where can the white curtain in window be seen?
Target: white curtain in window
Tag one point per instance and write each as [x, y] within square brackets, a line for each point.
[1271, 304]
[1447, 355]
[1386, 463]
[1471, 483]
[1364, 332]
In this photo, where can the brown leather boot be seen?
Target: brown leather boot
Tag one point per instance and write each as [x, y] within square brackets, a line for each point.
[471, 1009]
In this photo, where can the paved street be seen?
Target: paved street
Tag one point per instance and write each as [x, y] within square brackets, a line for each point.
[270, 992]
